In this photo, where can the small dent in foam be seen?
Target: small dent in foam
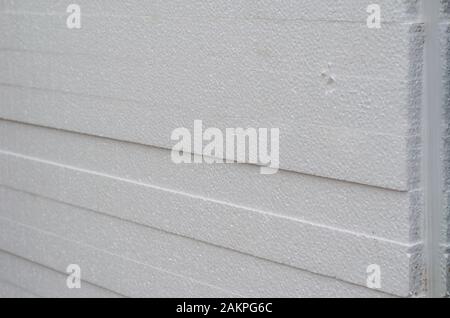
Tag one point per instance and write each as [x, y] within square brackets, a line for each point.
[329, 78]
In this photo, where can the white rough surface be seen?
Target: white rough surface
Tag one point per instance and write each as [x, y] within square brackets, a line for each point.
[192, 261]
[223, 71]
[8, 290]
[324, 202]
[362, 157]
[341, 10]
[41, 281]
[91, 187]
[122, 275]
[298, 244]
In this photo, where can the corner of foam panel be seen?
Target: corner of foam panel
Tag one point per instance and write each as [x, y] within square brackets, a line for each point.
[417, 271]
[414, 103]
[416, 216]
[416, 38]
[417, 259]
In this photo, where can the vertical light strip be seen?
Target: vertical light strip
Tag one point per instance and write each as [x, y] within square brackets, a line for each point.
[432, 134]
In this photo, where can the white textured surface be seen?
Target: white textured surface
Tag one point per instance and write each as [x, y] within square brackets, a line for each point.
[42, 281]
[358, 208]
[382, 160]
[196, 265]
[341, 10]
[8, 290]
[85, 123]
[222, 71]
[271, 239]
